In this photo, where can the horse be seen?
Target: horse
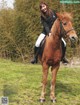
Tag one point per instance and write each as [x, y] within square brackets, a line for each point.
[52, 51]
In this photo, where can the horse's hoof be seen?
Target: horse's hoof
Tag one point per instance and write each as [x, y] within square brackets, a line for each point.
[53, 100]
[42, 100]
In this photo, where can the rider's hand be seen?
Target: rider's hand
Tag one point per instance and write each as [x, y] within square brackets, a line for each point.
[49, 33]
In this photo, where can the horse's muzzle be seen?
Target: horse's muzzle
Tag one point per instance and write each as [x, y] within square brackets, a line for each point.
[73, 40]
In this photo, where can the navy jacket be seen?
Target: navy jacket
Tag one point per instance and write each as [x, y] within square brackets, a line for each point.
[48, 22]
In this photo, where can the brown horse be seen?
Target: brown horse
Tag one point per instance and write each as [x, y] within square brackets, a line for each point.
[52, 52]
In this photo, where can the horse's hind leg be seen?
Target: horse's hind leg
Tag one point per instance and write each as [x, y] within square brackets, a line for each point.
[54, 74]
[44, 81]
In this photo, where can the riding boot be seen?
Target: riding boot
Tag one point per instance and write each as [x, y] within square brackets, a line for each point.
[63, 59]
[36, 52]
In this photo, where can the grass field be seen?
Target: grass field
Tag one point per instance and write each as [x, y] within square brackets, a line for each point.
[21, 84]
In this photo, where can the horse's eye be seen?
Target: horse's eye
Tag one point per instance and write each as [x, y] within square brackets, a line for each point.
[64, 23]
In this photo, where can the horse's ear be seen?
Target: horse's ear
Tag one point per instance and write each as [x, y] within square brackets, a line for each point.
[59, 15]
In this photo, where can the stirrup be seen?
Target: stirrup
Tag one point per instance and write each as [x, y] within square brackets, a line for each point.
[65, 61]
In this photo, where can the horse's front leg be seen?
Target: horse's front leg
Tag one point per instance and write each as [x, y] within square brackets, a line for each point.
[54, 74]
[44, 81]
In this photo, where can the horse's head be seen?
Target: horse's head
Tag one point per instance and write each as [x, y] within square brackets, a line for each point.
[66, 27]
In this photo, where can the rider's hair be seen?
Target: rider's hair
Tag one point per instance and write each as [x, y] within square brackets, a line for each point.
[49, 11]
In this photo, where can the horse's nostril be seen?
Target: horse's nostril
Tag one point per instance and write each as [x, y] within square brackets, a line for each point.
[73, 37]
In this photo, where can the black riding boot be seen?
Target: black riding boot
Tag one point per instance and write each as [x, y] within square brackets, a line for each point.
[63, 59]
[36, 52]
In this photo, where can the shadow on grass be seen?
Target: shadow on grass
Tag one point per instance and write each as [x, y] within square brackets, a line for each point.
[71, 89]
[68, 88]
[9, 90]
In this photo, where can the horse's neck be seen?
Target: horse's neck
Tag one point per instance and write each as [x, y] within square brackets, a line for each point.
[55, 34]
[55, 30]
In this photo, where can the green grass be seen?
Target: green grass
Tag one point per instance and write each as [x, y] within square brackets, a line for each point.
[21, 84]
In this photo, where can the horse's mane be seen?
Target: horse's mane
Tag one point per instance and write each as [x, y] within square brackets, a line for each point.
[65, 15]
[61, 16]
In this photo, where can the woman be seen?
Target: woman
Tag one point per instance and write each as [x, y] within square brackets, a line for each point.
[48, 17]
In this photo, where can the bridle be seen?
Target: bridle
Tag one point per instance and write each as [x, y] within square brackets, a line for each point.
[62, 30]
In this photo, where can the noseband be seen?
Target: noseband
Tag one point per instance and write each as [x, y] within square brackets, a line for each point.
[62, 30]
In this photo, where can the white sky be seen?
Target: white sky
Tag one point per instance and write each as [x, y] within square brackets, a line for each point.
[9, 3]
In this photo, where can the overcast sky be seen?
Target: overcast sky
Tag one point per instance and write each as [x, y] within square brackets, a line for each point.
[9, 3]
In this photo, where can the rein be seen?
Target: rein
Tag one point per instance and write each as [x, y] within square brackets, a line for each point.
[69, 30]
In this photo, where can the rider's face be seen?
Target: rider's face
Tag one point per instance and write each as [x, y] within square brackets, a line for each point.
[44, 8]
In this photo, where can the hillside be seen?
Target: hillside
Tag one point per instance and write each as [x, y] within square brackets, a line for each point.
[20, 27]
